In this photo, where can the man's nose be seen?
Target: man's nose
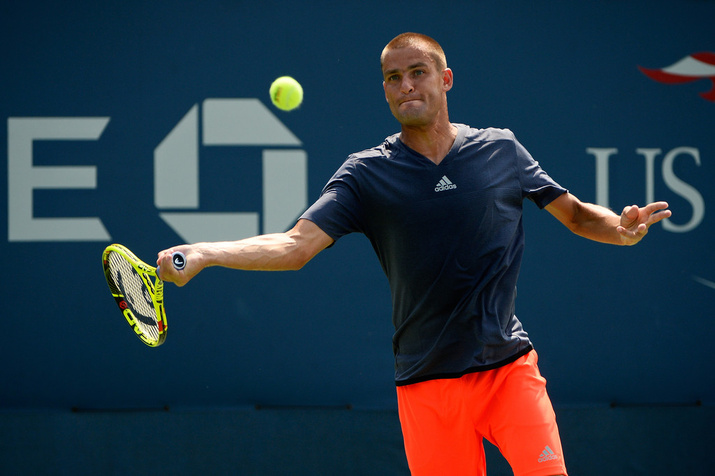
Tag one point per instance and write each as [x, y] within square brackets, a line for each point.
[407, 86]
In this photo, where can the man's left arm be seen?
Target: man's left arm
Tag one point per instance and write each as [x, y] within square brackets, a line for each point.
[601, 224]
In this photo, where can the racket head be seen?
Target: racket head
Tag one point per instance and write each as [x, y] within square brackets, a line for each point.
[138, 292]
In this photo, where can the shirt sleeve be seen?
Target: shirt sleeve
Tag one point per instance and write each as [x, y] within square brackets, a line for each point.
[536, 184]
[338, 210]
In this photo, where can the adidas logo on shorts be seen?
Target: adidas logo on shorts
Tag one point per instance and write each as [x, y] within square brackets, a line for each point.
[547, 455]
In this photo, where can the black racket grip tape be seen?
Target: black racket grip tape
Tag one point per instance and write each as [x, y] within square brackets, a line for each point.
[178, 259]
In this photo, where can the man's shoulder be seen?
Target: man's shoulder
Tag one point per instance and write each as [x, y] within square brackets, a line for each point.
[387, 148]
[488, 134]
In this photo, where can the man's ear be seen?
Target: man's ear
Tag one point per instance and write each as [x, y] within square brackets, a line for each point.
[447, 79]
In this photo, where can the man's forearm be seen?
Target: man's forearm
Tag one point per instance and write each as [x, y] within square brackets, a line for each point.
[597, 223]
[272, 252]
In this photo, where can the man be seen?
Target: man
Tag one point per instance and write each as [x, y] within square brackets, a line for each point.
[441, 205]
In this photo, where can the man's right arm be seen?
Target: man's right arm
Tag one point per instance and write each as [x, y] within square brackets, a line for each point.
[272, 252]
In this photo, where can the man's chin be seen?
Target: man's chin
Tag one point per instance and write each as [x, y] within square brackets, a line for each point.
[411, 117]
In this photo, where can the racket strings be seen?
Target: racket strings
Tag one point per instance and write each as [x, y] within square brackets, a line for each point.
[136, 294]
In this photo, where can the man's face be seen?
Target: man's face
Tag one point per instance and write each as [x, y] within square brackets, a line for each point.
[414, 88]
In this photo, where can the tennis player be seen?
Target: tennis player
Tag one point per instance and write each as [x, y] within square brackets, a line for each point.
[441, 204]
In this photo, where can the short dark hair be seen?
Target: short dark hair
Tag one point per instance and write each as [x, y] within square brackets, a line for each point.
[420, 41]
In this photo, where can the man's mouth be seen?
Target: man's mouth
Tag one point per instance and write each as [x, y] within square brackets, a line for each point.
[406, 101]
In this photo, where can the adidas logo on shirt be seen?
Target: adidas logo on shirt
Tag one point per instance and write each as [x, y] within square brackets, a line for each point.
[444, 184]
[547, 455]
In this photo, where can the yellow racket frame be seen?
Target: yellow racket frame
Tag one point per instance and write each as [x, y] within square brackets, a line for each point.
[155, 287]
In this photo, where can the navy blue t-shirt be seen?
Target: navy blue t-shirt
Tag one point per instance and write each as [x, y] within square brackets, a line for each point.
[450, 240]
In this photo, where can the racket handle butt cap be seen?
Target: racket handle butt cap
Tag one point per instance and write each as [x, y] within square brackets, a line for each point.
[178, 259]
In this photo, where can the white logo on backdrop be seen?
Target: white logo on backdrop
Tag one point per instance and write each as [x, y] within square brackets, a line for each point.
[23, 178]
[672, 181]
[225, 122]
[229, 122]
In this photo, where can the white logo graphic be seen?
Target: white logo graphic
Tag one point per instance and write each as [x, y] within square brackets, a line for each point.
[232, 122]
[225, 122]
[704, 282]
[444, 184]
[672, 181]
[547, 455]
[24, 178]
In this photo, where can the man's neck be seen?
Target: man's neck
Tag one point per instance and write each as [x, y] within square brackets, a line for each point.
[433, 141]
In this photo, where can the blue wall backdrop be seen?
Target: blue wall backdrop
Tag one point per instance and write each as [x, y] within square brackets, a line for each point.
[149, 124]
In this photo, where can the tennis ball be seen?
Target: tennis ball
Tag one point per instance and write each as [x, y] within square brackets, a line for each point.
[286, 93]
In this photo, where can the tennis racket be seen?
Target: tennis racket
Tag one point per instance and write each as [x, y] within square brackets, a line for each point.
[138, 291]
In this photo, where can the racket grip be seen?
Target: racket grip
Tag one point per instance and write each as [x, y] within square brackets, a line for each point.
[178, 259]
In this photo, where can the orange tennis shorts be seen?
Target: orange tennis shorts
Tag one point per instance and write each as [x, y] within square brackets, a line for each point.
[444, 422]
